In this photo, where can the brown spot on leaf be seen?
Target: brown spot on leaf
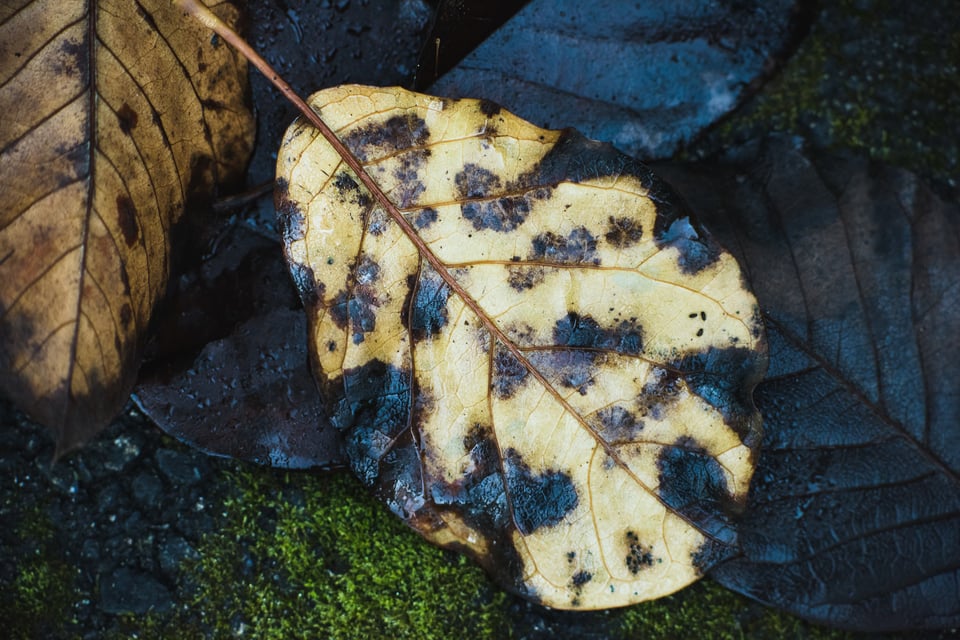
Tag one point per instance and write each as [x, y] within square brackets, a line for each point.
[127, 220]
[127, 118]
[126, 315]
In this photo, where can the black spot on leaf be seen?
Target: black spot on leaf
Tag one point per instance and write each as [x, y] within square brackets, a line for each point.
[692, 483]
[617, 424]
[488, 108]
[579, 247]
[724, 379]
[523, 278]
[476, 182]
[697, 249]
[659, 392]
[127, 118]
[424, 218]
[537, 500]
[638, 555]
[127, 220]
[572, 369]
[623, 232]
[290, 218]
[409, 185]
[311, 291]
[509, 374]
[503, 214]
[370, 405]
[583, 331]
[425, 310]
[580, 578]
[398, 133]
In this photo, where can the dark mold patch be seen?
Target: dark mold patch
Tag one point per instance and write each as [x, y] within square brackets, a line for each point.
[424, 312]
[290, 218]
[659, 392]
[503, 214]
[725, 379]
[579, 247]
[617, 424]
[127, 220]
[571, 369]
[311, 292]
[424, 218]
[623, 232]
[524, 278]
[359, 305]
[344, 183]
[575, 330]
[639, 556]
[398, 133]
[409, 185]
[692, 483]
[371, 406]
[710, 553]
[508, 375]
[489, 108]
[580, 578]
[127, 118]
[367, 271]
[537, 500]
[400, 480]
[126, 315]
[476, 182]
[696, 248]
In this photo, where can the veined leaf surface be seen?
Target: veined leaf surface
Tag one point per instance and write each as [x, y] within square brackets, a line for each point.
[570, 402]
[114, 113]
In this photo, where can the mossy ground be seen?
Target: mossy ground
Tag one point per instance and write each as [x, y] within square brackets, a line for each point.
[876, 77]
[306, 556]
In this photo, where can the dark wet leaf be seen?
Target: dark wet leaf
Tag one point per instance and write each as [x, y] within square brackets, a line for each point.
[645, 76]
[228, 372]
[854, 514]
[557, 380]
[458, 27]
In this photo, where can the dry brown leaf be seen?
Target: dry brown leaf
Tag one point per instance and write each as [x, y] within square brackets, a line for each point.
[570, 402]
[114, 114]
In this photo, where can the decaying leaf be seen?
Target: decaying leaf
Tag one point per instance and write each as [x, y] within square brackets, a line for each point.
[854, 517]
[646, 75]
[570, 402]
[114, 114]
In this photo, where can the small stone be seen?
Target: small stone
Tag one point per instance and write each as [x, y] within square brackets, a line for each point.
[123, 451]
[179, 468]
[128, 591]
[147, 489]
[172, 552]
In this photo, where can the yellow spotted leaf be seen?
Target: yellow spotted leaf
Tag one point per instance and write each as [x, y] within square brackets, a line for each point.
[115, 113]
[566, 395]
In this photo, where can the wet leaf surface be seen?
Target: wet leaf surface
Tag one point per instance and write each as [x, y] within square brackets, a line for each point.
[227, 371]
[854, 514]
[565, 395]
[645, 76]
[115, 115]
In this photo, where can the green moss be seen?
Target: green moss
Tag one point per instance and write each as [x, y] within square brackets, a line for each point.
[856, 84]
[708, 610]
[319, 558]
[37, 603]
